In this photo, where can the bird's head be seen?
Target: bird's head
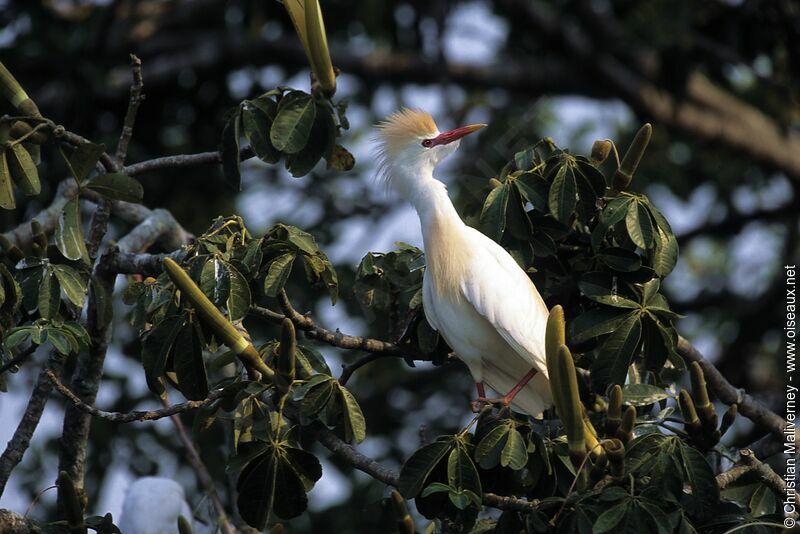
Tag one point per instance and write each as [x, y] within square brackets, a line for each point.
[410, 146]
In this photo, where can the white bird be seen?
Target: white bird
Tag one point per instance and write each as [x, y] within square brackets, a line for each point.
[474, 293]
[152, 506]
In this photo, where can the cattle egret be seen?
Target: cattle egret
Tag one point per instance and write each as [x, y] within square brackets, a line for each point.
[473, 292]
[152, 506]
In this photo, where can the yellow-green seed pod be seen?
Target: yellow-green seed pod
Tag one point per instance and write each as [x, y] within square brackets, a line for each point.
[286, 356]
[69, 503]
[571, 411]
[11, 89]
[600, 150]
[598, 468]
[705, 410]
[405, 523]
[691, 422]
[217, 322]
[184, 527]
[555, 337]
[614, 412]
[319, 56]
[728, 419]
[625, 431]
[630, 162]
[11, 250]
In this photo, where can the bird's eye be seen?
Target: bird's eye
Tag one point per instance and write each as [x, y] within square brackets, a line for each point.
[427, 143]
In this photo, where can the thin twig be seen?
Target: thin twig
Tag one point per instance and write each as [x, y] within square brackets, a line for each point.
[133, 107]
[348, 370]
[21, 439]
[202, 473]
[134, 416]
[182, 160]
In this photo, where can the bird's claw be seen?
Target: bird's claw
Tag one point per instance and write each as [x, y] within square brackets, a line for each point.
[481, 402]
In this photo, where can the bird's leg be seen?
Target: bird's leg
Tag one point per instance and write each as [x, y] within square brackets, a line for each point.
[481, 401]
[516, 389]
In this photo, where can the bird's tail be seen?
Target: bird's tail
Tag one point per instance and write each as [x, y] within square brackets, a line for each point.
[533, 399]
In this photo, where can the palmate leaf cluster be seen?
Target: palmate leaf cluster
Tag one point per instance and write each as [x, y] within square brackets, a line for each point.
[602, 254]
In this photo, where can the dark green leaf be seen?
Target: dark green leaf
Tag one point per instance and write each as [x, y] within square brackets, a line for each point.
[156, 347]
[488, 451]
[6, 187]
[640, 227]
[461, 472]
[642, 394]
[762, 502]
[534, 189]
[257, 117]
[292, 125]
[230, 151]
[699, 475]
[238, 302]
[620, 259]
[190, 368]
[417, 468]
[278, 273]
[320, 143]
[610, 518]
[117, 186]
[515, 452]
[616, 354]
[493, 215]
[69, 233]
[562, 196]
[23, 169]
[355, 428]
[49, 295]
[84, 158]
[71, 283]
[595, 323]
[59, 341]
[615, 211]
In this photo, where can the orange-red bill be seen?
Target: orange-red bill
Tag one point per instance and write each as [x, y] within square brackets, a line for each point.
[454, 135]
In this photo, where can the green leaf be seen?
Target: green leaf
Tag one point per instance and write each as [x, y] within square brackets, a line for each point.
[595, 323]
[190, 368]
[655, 516]
[23, 169]
[320, 143]
[269, 484]
[643, 394]
[83, 159]
[229, 150]
[417, 468]
[493, 214]
[257, 117]
[610, 518]
[615, 211]
[461, 472]
[597, 286]
[71, 283]
[59, 341]
[639, 225]
[435, 487]
[156, 347]
[640, 454]
[278, 273]
[762, 502]
[117, 186]
[515, 452]
[616, 354]
[340, 159]
[699, 475]
[354, 425]
[620, 259]
[665, 251]
[49, 295]
[488, 451]
[534, 189]
[6, 188]
[292, 125]
[239, 299]
[69, 233]
[562, 196]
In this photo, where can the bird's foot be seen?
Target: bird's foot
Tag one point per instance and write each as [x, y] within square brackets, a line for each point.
[481, 402]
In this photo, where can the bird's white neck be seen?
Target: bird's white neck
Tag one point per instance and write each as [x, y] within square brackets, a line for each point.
[435, 209]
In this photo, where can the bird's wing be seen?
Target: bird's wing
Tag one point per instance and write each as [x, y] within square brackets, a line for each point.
[500, 291]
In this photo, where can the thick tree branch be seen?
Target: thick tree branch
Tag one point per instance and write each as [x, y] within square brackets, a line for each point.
[134, 416]
[18, 359]
[727, 393]
[749, 464]
[143, 263]
[21, 439]
[182, 160]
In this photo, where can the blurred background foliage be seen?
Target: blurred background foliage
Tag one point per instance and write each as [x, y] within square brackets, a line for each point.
[576, 70]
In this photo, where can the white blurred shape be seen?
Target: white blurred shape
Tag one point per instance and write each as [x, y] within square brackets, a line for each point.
[152, 506]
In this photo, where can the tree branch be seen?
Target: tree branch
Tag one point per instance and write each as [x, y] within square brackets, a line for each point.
[182, 160]
[133, 107]
[144, 264]
[18, 359]
[21, 440]
[727, 393]
[134, 416]
[750, 464]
